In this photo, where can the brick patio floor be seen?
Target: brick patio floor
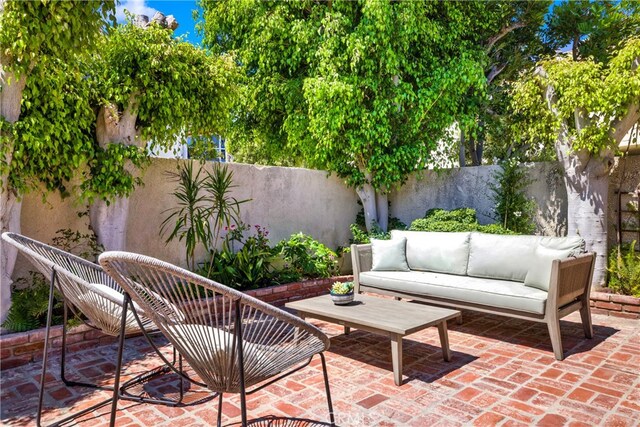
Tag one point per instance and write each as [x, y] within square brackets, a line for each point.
[502, 373]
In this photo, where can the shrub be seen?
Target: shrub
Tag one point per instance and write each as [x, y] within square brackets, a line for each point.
[457, 220]
[304, 257]
[624, 271]
[247, 268]
[255, 264]
[514, 210]
[30, 296]
[361, 236]
[29, 304]
[204, 206]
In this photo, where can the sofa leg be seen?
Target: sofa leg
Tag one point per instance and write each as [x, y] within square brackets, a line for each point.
[556, 340]
[459, 319]
[585, 314]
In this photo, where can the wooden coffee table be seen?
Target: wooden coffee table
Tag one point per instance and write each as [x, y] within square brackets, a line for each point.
[383, 316]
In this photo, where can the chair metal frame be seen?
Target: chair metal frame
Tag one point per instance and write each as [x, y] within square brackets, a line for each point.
[117, 265]
[43, 257]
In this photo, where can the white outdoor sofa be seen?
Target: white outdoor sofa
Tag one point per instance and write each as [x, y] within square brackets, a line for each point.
[528, 277]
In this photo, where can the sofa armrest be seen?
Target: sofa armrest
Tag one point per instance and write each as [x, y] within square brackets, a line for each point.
[361, 261]
[571, 279]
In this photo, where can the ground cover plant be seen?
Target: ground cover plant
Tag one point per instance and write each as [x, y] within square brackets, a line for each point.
[624, 270]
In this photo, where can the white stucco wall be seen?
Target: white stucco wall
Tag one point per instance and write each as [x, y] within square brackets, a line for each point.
[289, 200]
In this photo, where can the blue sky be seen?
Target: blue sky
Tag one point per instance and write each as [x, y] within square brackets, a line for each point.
[181, 9]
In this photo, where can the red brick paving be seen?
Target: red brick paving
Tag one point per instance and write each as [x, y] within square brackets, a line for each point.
[503, 373]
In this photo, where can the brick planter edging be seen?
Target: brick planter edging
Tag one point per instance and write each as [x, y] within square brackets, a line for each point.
[24, 347]
[615, 305]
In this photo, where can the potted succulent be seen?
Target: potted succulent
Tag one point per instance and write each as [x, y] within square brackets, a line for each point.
[342, 293]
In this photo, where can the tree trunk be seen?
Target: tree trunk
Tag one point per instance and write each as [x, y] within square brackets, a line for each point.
[462, 155]
[587, 182]
[10, 221]
[375, 205]
[382, 210]
[367, 196]
[109, 221]
[11, 87]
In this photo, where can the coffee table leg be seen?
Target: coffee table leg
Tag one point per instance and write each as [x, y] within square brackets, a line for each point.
[396, 358]
[444, 340]
[347, 329]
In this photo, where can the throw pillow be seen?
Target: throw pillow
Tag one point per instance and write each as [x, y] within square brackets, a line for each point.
[389, 255]
[539, 274]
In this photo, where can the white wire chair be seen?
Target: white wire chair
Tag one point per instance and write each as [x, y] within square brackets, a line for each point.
[231, 340]
[85, 289]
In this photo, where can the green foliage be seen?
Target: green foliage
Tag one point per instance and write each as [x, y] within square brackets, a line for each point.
[461, 215]
[109, 175]
[247, 268]
[624, 271]
[363, 89]
[342, 288]
[589, 98]
[513, 209]
[360, 235]
[54, 136]
[170, 87]
[39, 40]
[189, 218]
[592, 28]
[29, 304]
[305, 257]
[84, 245]
[456, 220]
[486, 124]
[255, 264]
[204, 207]
[32, 30]
[175, 88]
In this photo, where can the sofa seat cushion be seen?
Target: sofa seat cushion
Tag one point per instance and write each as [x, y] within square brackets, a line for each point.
[501, 294]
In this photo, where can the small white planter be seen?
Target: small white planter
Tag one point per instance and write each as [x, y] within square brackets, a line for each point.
[342, 299]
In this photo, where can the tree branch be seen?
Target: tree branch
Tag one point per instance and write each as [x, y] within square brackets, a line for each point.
[495, 71]
[503, 32]
[622, 126]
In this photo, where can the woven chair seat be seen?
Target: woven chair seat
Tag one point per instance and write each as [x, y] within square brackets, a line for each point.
[231, 340]
[209, 347]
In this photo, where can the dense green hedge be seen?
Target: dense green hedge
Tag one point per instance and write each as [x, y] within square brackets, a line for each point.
[463, 219]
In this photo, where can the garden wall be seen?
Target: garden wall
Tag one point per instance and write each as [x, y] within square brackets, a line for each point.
[289, 200]
[625, 177]
[471, 187]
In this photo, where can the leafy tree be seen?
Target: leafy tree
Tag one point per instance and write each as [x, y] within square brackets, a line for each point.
[32, 34]
[152, 87]
[584, 109]
[510, 49]
[591, 28]
[364, 89]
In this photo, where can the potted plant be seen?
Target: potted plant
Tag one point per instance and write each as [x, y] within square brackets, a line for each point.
[342, 293]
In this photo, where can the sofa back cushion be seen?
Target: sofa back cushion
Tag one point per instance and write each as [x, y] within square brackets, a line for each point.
[510, 257]
[500, 257]
[547, 250]
[435, 251]
[389, 255]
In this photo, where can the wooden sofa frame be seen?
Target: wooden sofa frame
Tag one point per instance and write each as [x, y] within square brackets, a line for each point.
[569, 291]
